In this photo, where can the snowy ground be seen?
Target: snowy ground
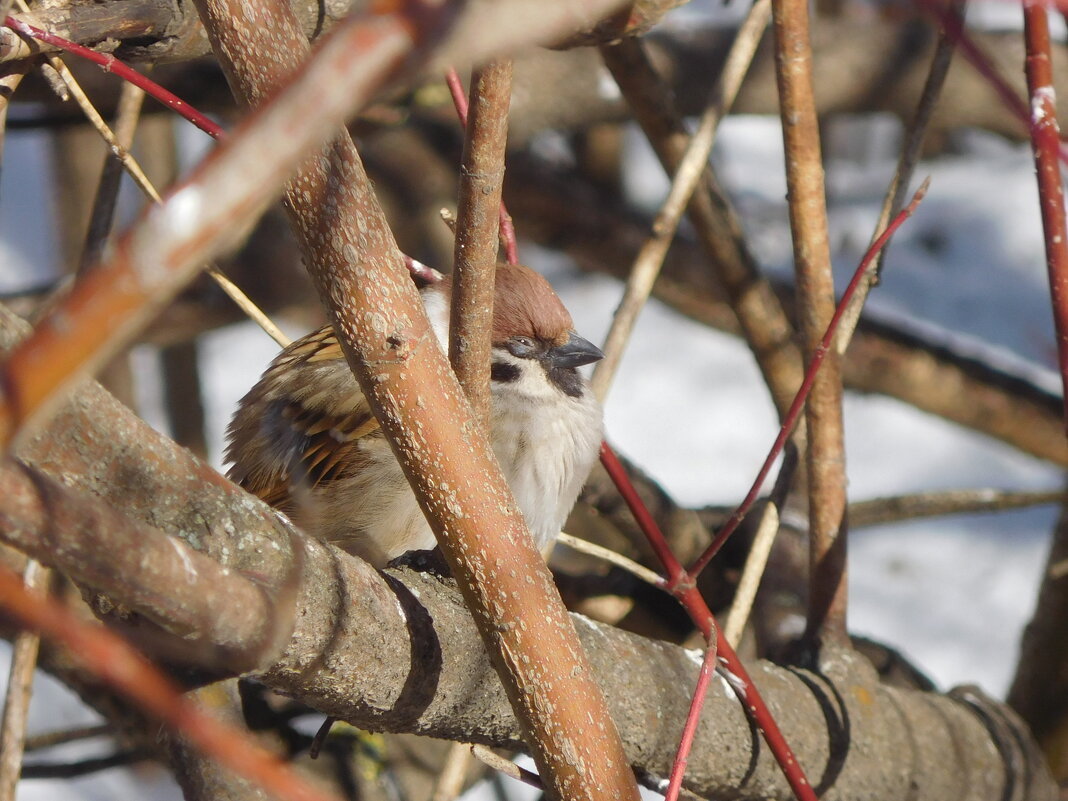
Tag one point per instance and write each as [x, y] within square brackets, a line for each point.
[952, 594]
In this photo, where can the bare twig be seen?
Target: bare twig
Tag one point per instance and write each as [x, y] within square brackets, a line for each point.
[915, 135]
[1046, 145]
[477, 228]
[450, 782]
[693, 719]
[821, 351]
[50, 739]
[10, 79]
[507, 767]
[613, 558]
[19, 690]
[85, 767]
[757, 558]
[762, 319]
[688, 174]
[825, 455]
[107, 192]
[952, 502]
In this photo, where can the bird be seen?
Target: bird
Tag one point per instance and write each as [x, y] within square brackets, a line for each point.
[305, 441]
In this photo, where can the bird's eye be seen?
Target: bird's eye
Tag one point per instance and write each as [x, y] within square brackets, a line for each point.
[522, 347]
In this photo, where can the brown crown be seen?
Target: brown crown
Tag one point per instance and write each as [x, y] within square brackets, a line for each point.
[525, 305]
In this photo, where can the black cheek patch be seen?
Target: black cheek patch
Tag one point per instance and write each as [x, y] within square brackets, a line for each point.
[567, 379]
[504, 372]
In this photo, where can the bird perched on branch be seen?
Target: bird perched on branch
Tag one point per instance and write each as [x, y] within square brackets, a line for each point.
[305, 441]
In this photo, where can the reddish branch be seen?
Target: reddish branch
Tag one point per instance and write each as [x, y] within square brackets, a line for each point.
[793, 414]
[1046, 145]
[478, 214]
[459, 101]
[701, 615]
[109, 63]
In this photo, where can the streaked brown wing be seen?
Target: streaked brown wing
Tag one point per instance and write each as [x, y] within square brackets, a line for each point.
[301, 424]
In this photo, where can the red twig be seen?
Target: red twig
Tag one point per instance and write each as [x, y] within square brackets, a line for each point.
[796, 407]
[117, 663]
[952, 24]
[507, 228]
[111, 64]
[1046, 145]
[420, 272]
[693, 718]
[703, 618]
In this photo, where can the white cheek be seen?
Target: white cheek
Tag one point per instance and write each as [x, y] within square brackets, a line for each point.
[437, 309]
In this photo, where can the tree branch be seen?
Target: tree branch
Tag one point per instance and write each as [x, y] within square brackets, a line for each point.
[399, 652]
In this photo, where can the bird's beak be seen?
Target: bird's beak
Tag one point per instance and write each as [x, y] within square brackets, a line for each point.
[574, 353]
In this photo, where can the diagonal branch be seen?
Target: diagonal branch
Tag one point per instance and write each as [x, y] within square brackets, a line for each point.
[687, 164]
[360, 275]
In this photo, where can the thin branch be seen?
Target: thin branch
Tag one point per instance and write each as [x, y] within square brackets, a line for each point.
[915, 134]
[102, 215]
[506, 229]
[1046, 146]
[701, 615]
[19, 691]
[507, 767]
[794, 412]
[689, 173]
[761, 316]
[477, 232]
[693, 718]
[37, 742]
[825, 454]
[757, 559]
[10, 79]
[953, 502]
[600, 552]
[450, 781]
[84, 767]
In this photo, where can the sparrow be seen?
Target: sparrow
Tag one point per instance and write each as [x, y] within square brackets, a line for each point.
[305, 441]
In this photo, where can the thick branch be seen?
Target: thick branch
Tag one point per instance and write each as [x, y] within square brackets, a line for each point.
[357, 268]
[399, 651]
